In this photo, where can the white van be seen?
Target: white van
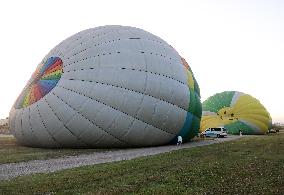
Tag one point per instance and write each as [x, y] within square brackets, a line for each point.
[215, 132]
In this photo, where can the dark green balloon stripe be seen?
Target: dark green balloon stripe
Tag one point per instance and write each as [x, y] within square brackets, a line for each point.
[196, 87]
[235, 127]
[195, 124]
[195, 108]
[194, 105]
[218, 101]
[191, 106]
[199, 109]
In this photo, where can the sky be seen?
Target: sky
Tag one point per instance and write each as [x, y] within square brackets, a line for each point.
[229, 44]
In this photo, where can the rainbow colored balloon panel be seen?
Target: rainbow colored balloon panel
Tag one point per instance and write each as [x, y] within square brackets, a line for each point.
[42, 82]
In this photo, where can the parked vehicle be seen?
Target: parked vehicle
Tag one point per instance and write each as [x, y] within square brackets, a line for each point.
[272, 131]
[215, 132]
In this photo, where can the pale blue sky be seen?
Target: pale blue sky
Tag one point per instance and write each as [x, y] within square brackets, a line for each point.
[230, 45]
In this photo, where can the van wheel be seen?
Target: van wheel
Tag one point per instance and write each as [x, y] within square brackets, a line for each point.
[218, 135]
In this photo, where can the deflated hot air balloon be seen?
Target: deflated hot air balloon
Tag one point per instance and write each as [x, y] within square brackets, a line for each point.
[110, 86]
[236, 111]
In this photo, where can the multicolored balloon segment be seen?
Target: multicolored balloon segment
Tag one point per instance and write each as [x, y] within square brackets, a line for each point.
[236, 111]
[42, 82]
[192, 122]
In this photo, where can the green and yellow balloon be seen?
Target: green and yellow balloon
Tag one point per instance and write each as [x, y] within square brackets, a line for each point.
[236, 111]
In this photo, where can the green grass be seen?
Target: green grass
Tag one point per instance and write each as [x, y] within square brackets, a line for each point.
[11, 152]
[251, 165]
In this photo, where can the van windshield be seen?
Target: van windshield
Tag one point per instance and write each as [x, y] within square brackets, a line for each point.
[216, 129]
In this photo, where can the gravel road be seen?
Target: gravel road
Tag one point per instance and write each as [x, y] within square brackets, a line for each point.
[12, 170]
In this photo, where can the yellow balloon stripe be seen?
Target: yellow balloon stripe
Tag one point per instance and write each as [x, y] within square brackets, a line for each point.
[190, 80]
[250, 109]
[57, 72]
[210, 121]
[255, 116]
[27, 98]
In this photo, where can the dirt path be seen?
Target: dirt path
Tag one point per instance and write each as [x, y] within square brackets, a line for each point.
[12, 170]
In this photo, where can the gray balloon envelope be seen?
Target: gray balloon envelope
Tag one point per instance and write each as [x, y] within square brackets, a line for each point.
[110, 86]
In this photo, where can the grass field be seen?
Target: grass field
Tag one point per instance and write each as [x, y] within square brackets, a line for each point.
[11, 152]
[251, 165]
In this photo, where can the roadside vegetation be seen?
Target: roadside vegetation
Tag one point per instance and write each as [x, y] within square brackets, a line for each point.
[250, 165]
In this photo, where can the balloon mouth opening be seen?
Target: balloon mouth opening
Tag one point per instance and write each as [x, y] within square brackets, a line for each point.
[44, 79]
